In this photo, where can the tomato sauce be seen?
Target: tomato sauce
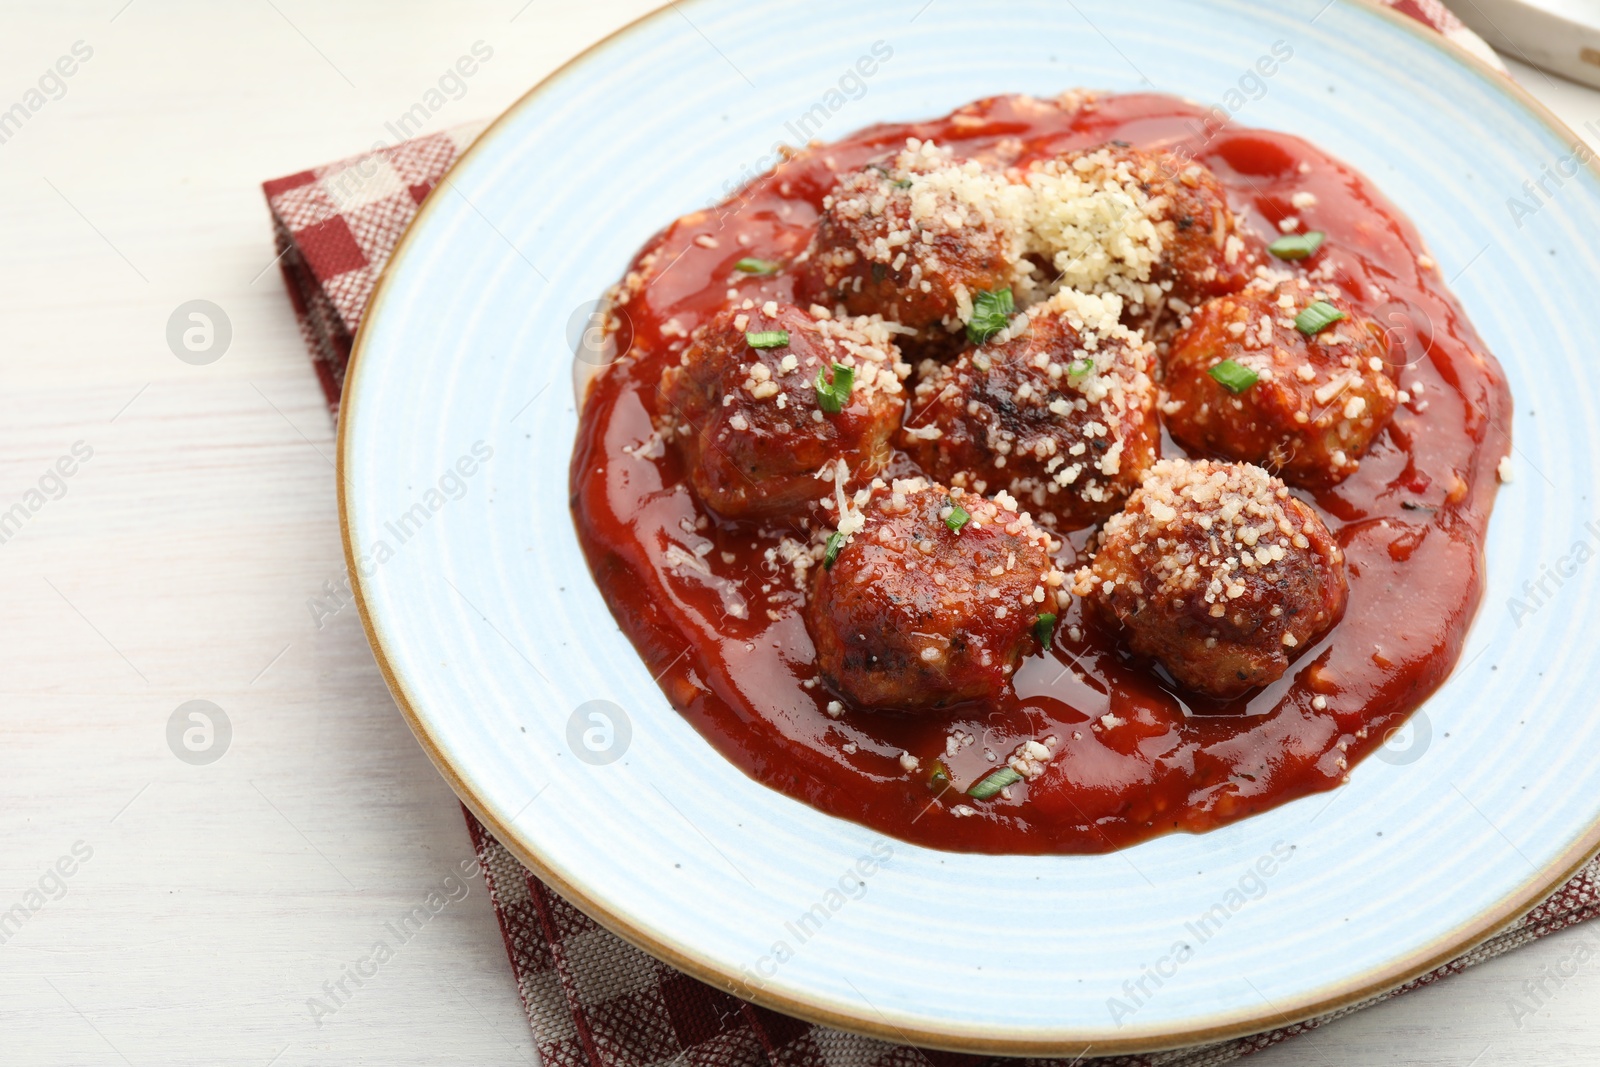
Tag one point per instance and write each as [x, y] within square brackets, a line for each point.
[731, 652]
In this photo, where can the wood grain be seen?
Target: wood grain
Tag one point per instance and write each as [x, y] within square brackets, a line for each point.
[178, 562]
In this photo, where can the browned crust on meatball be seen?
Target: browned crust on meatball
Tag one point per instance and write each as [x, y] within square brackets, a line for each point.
[1062, 416]
[915, 616]
[1214, 571]
[1204, 251]
[914, 238]
[747, 420]
[1319, 401]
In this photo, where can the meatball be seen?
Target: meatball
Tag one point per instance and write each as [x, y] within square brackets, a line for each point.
[1214, 571]
[1306, 405]
[1159, 224]
[1062, 416]
[916, 239]
[932, 599]
[750, 419]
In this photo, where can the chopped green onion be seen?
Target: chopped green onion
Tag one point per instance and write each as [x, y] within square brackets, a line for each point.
[767, 338]
[1296, 245]
[1044, 628]
[993, 783]
[751, 265]
[939, 780]
[831, 397]
[903, 183]
[991, 313]
[831, 553]
[957, 518]
[1316, 318]
[1079, 369]
[1234, 377]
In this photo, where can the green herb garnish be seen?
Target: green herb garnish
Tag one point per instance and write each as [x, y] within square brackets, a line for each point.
[903, 183]
[1044, 628]
[1234, 377]
[1316, 318]
[991, 313]
[751, 265]
[957, 518]
[831, 396]
[831, 553]
[1079, 369]
[767, 338]
[993, 782]
[939, 780]
[1296, 245]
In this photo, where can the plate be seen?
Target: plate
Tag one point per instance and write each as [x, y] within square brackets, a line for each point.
[458, 422]
[1561, 36]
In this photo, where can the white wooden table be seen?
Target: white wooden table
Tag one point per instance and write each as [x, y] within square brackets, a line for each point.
[176, 563]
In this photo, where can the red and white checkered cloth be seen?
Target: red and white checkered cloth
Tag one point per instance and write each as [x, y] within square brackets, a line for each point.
[335, 227]
[592, 999]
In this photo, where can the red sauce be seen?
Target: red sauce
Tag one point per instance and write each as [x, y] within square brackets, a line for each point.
[1412, 522]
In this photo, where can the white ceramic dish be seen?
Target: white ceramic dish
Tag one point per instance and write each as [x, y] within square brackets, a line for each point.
[1562, 36]
[492, 635]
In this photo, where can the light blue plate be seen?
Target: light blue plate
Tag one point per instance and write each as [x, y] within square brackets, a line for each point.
[492, 634]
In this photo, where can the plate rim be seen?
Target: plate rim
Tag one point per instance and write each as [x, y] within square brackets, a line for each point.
[1478, 929]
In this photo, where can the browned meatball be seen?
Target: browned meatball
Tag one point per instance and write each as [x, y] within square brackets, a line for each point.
[1151, 215]
[915, 238]
[1063, 416]
[1218, 574]
[923, 608]
[1316, 403]
[748, 416]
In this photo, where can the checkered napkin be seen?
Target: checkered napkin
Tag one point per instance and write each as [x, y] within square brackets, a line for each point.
[335, 227]
[594, 1000]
